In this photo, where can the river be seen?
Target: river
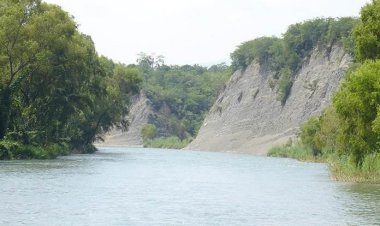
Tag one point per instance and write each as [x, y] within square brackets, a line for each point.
[119, 186]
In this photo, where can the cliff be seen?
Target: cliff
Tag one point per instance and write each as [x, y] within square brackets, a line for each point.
[139, 115]
[248, 117]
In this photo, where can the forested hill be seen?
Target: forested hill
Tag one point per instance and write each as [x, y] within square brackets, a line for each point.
[56, 93]
[180, 97]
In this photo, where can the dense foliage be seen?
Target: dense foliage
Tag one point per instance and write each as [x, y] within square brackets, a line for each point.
[54, 88]
[367, 34]
[181, 96]
[285, 56]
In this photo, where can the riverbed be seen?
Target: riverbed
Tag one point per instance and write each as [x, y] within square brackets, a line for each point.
[121, 186]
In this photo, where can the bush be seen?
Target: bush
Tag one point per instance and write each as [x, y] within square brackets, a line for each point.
[167, 142]
[344, 168]
[15, 150]
[357, 107]
[148, 132]
[260, 49]
[7, 148]
[309, 134]
[296, 151]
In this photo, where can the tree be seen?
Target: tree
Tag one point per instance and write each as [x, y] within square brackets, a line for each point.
[149, 131]
[30, 31]
[367, 33]
[357, 104]
[54, 88]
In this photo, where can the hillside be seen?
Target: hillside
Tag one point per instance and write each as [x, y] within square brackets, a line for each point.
[139, 114]
[248, 117]
[173, 103]
[278, 85]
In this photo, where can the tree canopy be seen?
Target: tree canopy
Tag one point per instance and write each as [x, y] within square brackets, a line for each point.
[54, 88]
[367, 33]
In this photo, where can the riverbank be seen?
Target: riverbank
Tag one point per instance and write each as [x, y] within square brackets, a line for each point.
[13, 150]
[342, 168]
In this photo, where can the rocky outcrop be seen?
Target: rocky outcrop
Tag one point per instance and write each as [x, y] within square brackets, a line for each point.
[139, 115]
[248, 117]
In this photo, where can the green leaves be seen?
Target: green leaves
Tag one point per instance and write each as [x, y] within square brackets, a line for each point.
[53, 83]
[260, 49]
[367, 33]
[357, 105]
[351, 126]
[182, 95]
[148, 132]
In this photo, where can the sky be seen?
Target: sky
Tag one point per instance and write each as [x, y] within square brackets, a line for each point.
[201, 32]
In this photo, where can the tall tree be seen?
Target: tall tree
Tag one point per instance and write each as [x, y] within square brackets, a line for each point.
[29, 33]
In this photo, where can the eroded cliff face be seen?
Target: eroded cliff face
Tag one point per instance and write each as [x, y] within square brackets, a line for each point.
[249, 118]
[138, 116]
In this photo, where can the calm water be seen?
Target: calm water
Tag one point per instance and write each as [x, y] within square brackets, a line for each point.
[119, 186]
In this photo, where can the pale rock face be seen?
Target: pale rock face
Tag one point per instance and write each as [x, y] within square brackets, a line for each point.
[138, 116]
[249, 118]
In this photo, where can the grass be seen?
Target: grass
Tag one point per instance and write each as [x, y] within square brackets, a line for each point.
[167, 142]
[297, 151]
[342, 167]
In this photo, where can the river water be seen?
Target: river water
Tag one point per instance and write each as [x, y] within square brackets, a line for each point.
[118, 186]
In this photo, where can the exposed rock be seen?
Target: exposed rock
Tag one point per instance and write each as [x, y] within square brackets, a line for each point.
[248, 117]
[138, 116]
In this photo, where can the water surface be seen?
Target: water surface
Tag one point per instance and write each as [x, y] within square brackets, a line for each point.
[119, 186]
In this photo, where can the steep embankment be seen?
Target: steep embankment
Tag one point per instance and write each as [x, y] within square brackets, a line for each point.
[138, 116]
[248, 117]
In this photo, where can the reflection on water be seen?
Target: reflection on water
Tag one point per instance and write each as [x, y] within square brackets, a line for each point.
[119, 186]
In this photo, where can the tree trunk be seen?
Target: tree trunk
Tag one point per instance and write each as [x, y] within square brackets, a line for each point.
[5, 108]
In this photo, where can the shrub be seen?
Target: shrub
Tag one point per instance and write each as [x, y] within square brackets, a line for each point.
[149, 131]
[167, 142]
[296, 151]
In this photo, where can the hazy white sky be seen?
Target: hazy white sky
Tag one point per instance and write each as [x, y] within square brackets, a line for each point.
[192, 31]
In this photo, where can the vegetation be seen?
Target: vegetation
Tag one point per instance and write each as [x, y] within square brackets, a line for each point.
[171, 142]
[295, 151]
[56, 94]
[181, 96]
[285, 55]
[148, 132]
[56, 90]
[367, 33]
[347, 134]
[341, 166]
